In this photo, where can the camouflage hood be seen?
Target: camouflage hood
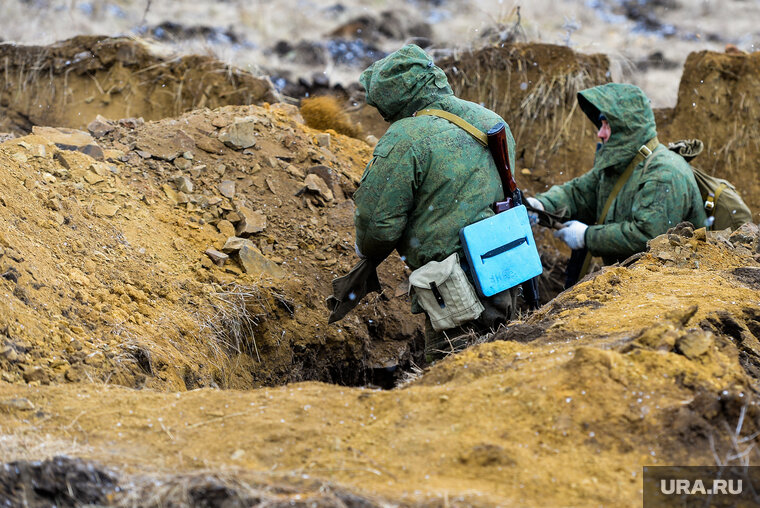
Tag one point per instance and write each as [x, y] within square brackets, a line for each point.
[404, 82]
[630, 117]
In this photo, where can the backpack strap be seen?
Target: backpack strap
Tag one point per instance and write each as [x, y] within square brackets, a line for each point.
[476, 133]
[712, 199]
[644, 152]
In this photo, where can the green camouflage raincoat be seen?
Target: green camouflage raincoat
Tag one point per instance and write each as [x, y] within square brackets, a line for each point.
[427, 178]
[652, 200]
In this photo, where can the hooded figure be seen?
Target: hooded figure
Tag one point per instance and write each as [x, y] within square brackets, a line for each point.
[428, 178]
[660, 192]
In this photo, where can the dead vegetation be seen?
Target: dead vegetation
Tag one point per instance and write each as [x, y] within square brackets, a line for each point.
[533, 87]
[325, 112]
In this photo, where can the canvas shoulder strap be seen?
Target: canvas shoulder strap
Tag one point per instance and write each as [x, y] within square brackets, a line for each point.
[644, 152]
[476, 133]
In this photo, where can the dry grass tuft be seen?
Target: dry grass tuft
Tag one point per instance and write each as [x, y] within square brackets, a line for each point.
[325, 112]
[231, 489]
[233, 324]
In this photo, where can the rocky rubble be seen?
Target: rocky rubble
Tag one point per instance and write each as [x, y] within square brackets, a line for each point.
[190, 221]
[652, 362]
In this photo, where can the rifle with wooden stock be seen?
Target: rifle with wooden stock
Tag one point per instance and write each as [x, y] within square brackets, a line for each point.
[497, 145]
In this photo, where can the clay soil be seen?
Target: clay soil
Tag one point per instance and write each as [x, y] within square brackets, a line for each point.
[136, 371]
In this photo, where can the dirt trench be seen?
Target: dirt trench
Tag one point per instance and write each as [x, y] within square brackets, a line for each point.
[638, 365]
[117, 324]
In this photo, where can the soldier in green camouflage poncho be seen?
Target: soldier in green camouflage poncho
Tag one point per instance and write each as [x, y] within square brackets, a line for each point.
[427, 178]
[659, 194]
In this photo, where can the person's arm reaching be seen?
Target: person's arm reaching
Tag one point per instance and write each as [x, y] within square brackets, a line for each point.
[575, 199]
[384, 201]
[653, 209]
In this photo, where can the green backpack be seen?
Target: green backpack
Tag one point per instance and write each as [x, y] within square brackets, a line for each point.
[723, 205]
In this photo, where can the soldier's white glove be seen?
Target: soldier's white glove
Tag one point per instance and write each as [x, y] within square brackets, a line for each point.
[573, 234]
[533, 216]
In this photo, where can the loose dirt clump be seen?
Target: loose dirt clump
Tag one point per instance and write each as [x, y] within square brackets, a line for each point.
[69, 83]
[325, 113]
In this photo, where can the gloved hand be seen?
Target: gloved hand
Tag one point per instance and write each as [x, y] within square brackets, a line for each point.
[533, 216]
[573, 234]
[358, 252]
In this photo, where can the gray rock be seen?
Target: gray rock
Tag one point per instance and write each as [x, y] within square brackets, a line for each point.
[315, 184]
[182, 163]
[234, 244]
[240, 134]
[325, 173]
[255, 263]
[219, 258]
[250, 222]
[323, 139]
[227, 188]
[184, 184]
[100, 126]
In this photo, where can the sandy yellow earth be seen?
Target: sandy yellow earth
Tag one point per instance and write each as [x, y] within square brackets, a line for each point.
[567, 419]
[126, 348]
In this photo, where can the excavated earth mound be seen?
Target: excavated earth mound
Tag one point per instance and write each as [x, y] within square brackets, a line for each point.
[719, 103]
[104, 273]
[69, 83]
[653, 363]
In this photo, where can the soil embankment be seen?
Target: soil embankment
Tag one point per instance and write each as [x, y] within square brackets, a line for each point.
[107, 278]
[194, 252]
[719, 103]
[642, 365]
[68, 83]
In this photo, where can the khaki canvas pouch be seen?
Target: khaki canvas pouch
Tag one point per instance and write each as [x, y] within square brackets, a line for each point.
[445, 294]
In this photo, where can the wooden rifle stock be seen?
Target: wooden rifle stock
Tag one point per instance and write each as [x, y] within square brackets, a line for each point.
[497, 145]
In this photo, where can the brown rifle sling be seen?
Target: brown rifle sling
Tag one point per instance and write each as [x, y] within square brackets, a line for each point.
[476, 133]
[644, 152]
